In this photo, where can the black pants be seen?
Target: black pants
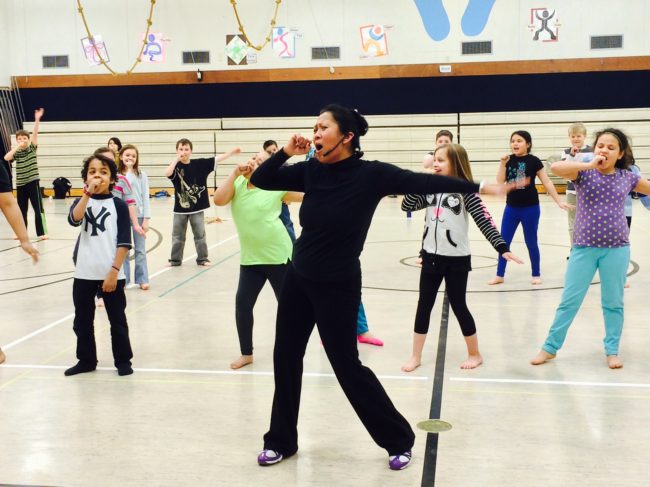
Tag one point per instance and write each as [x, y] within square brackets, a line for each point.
[333, 306]
[31, 193]
[456, 286]
[83, 295]
[251, 281]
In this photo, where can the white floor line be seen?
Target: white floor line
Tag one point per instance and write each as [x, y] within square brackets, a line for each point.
[44, 328]
[552, 382]
[209, 372]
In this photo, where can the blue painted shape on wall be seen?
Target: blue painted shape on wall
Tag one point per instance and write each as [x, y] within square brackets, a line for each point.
[476, 16]
[434, 17]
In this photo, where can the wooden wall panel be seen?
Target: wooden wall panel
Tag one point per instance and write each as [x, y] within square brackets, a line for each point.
[632, 63]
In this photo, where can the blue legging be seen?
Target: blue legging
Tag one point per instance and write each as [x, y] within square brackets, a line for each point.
[362, 321]
[528, 216]
[611, 264]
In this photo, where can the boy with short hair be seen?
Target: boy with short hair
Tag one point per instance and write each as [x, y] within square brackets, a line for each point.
[578, 152]
[28, 188]
[191, 199]
[10, 209]
[104, 243]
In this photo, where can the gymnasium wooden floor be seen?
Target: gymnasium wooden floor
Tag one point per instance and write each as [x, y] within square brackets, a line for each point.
[184, 418]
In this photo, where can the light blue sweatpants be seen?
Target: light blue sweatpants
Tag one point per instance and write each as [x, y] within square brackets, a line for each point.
[583, 262]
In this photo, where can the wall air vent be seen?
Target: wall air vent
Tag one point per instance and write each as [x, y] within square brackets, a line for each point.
[606, 42]
[483, 47]
[325, 53]
[196, 57]
[56, 62]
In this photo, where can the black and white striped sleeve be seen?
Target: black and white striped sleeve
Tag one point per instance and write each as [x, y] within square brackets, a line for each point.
[475, 207]
[71, 219]
[414, 202]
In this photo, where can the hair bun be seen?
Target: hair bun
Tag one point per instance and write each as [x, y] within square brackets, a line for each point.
[361, 122]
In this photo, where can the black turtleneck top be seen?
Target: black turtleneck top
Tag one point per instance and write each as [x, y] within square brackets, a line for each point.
[340, 199]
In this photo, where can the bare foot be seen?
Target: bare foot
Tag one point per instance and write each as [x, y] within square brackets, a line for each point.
[412, 364]
[144, 286]
[3, 357]
[242, 362]
[627, 285]
[536, 281]
[496, 280]
[205, 263]
[43, 237]
[542, 357]
[613, 362]
[472, 362]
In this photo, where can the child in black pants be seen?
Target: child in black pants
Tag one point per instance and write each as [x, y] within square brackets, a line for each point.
[104, 242]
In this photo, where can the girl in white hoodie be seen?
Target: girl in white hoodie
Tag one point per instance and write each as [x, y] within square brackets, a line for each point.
[445, 251]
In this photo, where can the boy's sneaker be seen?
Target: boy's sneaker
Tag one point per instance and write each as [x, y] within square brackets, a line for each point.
[399, 462]
[269, 457]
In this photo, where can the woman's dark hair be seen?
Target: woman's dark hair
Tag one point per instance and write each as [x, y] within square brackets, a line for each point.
[116, 141]
[623, 143]
[109, 163]
[349, 120]
[269, 143]
[526, 136]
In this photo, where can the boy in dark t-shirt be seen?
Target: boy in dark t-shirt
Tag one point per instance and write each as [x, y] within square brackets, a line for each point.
[104, 243]
[191, 199]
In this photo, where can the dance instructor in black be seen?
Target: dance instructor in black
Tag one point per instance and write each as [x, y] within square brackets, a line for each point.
[323, 283]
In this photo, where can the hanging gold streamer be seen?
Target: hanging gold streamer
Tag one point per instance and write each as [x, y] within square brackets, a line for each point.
[102, 61]
[241, 27]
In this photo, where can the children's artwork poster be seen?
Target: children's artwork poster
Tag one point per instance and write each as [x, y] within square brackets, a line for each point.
[544, 24]
[373, 40]
[283, 42]
[236, 50]
[91, 47]
[154, 49]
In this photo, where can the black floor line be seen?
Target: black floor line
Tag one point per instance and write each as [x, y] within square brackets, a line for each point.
[431, 450]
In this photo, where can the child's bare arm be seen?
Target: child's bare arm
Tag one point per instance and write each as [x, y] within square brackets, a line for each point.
[550, 188]
[226, 155]
[172, 165]
[38, 114]
[110, 281]
[9, 156]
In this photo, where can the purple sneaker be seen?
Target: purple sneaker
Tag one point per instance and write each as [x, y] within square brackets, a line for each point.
[270, 457]
[399, 462]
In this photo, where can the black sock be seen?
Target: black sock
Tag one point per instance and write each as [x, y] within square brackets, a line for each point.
[80, 368]
[124, 369]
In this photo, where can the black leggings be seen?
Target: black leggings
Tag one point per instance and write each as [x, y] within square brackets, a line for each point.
[251, 281]
[333, 307]
[456, 286]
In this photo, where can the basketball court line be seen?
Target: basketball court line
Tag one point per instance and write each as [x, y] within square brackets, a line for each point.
[551, 382]
[67, 317]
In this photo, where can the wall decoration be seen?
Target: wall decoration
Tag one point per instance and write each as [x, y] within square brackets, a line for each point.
[95, 50]
[284, 42]
[539, 24]
[154, 49]
[98, 55]
[436, 21]
[476, 16]
[236, 50]
[373, 40]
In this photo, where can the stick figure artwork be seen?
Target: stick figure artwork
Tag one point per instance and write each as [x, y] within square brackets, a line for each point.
[546, 16]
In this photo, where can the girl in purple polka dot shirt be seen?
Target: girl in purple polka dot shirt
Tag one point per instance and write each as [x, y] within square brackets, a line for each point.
[600, 240]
